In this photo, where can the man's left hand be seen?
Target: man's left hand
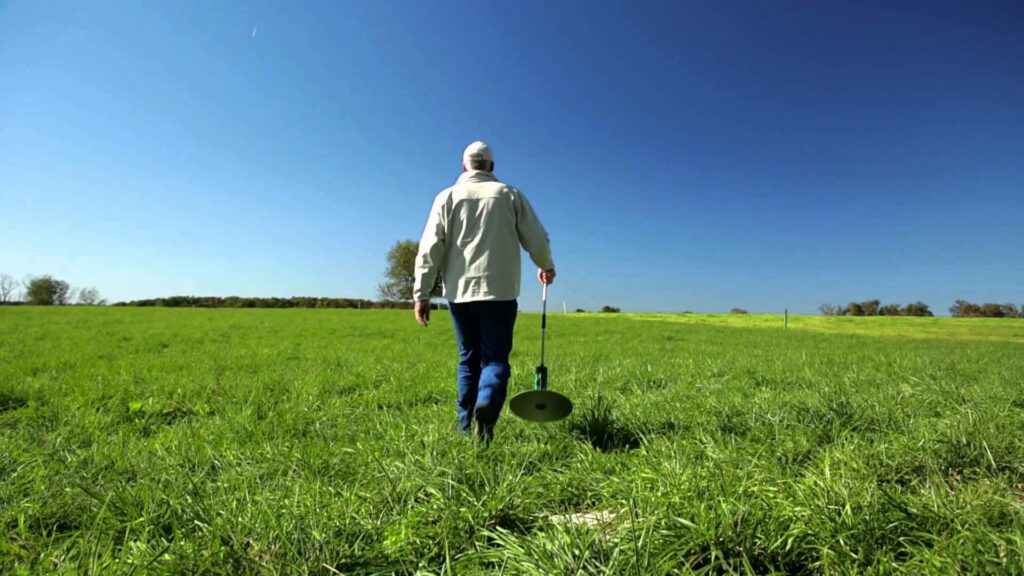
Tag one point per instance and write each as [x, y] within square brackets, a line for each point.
[422, 309]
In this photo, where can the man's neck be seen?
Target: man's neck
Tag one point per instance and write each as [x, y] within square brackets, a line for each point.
[477, 175]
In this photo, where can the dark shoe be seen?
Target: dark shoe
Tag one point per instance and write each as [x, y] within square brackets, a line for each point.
[483, 423]
[482, 432]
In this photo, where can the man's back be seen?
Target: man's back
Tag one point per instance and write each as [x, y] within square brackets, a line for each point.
[473, 235]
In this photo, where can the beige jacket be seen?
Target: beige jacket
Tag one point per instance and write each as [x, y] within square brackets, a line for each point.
[472, 239]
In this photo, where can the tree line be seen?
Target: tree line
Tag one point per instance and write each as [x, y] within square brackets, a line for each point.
[876, 308]
[960, 309]
[256, 302]
[965, 309]
[46, 291]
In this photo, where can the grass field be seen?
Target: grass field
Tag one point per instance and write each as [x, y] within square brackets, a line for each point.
[292, 441]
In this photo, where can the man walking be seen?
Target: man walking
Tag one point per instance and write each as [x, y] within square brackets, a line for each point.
[472, 239]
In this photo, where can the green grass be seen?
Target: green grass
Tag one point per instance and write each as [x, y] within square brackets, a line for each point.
[990, 329]
[293, 441]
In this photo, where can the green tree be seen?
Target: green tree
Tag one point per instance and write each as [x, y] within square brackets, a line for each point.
[992, 310]
[870, 307]
[890, 310]
[47, 291]
[853, 309]
[400, 274]
[964, 309]
[917, 309]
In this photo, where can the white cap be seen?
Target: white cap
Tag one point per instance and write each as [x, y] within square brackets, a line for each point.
[477, 151]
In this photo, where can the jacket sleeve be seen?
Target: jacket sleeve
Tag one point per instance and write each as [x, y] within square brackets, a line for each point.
[532, 234]
[430, 256]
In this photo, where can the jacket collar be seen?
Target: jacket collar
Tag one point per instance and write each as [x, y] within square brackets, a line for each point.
[476, 176]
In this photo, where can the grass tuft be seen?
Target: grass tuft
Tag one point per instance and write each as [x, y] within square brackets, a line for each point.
[597, 425]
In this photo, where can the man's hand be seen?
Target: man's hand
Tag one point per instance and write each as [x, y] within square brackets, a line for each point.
[422, 310]
[545, 276]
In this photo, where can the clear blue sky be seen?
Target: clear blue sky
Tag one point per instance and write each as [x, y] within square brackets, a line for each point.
[683, 155]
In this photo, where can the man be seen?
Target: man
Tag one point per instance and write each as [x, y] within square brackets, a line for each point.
[472, 239]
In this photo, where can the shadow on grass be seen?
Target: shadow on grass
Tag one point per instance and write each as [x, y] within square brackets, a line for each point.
[150, 417]
[598, 426]
[10, 402]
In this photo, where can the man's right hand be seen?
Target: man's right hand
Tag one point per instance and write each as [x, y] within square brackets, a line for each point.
[545, 276]
[422, 311]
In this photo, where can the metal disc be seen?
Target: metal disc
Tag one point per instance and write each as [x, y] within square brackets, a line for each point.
[541, 406]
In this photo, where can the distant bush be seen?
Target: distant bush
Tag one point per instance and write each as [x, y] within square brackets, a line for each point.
[738, 311]
[580, 310]
[610, 309]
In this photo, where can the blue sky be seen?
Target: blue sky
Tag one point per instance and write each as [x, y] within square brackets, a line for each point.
[683, 155]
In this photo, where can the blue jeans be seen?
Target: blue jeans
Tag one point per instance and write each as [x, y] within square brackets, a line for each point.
[483, 331]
